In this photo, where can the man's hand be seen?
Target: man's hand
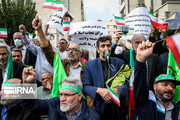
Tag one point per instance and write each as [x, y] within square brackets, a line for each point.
[117, 91]
[22, 29]
[117, 36]
[163, 31]
[36, 23]
[29, 75]
[144, 50]
[48, 85]
[104, 92]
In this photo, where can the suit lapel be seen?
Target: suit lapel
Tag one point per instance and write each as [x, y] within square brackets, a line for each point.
[99, 72]
[113, 72]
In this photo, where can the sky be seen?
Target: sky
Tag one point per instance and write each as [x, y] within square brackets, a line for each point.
[100, 9]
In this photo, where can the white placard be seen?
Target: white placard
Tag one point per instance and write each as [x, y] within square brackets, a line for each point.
[140, 20]
[86, 33]
[56, 19]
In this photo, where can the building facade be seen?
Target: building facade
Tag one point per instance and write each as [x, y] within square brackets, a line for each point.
[164, 8]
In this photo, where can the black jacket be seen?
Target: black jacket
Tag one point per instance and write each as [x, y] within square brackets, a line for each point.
[17, 72]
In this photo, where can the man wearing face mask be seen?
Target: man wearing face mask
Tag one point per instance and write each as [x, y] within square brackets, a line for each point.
[96, 73]
[118, 49]
[28, 58]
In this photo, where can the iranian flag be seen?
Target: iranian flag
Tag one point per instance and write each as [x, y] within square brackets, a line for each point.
[119, 20]
[173, 70]
[174, 45]
[114, 95]
[3, 33]
[131, 106]
[30, 36]
[66, 25]
[56, 5]
[157, 23]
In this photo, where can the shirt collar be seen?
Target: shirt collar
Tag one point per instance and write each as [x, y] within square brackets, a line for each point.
[78, 65]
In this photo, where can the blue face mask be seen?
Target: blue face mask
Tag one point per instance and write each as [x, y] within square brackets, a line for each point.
[17, 42]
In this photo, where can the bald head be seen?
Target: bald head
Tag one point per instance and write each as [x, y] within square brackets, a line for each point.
[136, 40]
[75, 45]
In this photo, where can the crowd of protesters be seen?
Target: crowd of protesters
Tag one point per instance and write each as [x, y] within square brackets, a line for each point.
[84, 94]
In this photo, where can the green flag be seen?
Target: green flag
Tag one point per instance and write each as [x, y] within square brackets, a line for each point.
[9, 68]
[59, 75]
[173, 70]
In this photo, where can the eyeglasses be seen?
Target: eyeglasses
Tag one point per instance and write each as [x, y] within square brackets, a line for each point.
[67, 95]
[73, 49]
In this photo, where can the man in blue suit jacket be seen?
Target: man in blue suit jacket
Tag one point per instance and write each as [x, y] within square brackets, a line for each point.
[96, 74]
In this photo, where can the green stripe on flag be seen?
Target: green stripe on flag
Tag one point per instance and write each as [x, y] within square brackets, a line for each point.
[3, 29]
[120, 18]
[112, 91]
[65, 22]
[9, 68]
[57, 2]
[59, 75]
[151, 13]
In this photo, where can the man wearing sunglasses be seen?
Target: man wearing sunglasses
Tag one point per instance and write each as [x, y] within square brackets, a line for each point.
[63, 44]
[68, 106]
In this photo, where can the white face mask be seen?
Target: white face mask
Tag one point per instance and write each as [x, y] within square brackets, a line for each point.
[17, 42]
[118, 50]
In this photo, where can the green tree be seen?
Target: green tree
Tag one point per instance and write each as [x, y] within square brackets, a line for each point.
[16, 12]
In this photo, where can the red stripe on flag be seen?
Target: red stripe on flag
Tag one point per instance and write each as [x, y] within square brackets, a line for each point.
[116, 101]
[52, 7]
[161, 26]
[3, 36]
[120, 23]
[174, 50]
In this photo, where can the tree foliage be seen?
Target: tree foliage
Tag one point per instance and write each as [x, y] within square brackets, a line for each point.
[16, 12]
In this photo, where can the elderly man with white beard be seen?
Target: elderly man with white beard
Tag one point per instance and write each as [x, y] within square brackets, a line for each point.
[69, 105]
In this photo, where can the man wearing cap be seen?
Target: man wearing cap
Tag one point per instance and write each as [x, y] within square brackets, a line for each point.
[68, 106]
[155, 105]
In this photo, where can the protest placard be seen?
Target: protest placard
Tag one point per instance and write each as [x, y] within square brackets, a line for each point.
[140, 20]
[86, 33]
[56, 19]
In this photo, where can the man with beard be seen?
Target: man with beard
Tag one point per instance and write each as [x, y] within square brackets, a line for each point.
[10, 107]
[68, 106]
[96, 73]
[72, 66]
[155, 105]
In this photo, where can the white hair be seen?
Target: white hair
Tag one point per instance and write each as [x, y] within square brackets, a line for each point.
[73, 80]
